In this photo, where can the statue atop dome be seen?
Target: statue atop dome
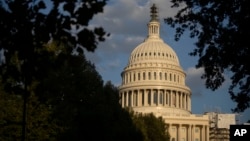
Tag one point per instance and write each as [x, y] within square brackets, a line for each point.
[154, 13]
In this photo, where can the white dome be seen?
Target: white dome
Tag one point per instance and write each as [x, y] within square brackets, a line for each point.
[155, 51]
[153, 78]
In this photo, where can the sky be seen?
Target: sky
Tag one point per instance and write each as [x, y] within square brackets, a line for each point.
[126, 21]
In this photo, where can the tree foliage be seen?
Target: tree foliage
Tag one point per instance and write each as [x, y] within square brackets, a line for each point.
[152, 128]
[75, 100]
[40, 124]
[27, 26]
[222, 29]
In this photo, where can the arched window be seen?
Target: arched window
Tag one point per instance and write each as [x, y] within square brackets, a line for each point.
[149, 75]
[160, 76]
[154, 75]
[144, 76]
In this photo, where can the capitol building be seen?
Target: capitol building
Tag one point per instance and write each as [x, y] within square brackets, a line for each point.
[154, 82]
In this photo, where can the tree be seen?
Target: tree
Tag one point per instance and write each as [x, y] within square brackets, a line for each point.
[153, 128]
[82, 105]
[27, 26]
[40, 126]
[222, 28]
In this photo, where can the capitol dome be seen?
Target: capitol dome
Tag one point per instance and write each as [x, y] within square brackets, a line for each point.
[153, 77]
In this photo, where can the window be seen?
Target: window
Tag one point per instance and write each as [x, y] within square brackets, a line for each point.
[160, 76]
[155, 97]
[161, 98]
[129, 98]
[167, 99]
[126, 75]
[154, 75]
[166, 76]
[144, 76]
[130, 77]
[139, 76]
[149, 75]
[149, 98]
[142, 96]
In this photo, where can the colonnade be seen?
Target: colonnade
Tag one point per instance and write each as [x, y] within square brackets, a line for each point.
[189, 132]
[128, 77]
[155, 97]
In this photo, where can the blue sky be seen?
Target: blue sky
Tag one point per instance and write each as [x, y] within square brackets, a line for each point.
[126, 21]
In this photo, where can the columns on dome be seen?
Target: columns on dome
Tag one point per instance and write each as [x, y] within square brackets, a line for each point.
[155, 97]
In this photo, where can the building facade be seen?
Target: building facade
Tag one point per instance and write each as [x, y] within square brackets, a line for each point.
[154, 82]
[220, 125]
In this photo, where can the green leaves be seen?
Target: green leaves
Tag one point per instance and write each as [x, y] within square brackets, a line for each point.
[40, 126]
[153, 128]
[220, 27]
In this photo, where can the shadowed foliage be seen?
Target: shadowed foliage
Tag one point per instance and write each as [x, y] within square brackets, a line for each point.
[223, 31]
[26, 27]
[153, 128]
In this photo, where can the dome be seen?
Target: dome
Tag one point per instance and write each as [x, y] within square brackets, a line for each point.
[155, 51]
[153, 78]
